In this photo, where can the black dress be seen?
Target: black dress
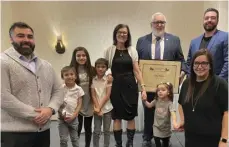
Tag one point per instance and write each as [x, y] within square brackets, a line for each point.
[124, 93]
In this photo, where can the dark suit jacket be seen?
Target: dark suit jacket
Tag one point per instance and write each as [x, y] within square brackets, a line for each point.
[172, 49]
[218, 46]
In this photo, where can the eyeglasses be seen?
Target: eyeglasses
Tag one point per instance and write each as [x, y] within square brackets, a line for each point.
[124, 33]
[159, 22]
[203, 64]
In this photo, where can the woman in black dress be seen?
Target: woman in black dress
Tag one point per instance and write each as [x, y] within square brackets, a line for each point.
[203, 104]
[123, 61]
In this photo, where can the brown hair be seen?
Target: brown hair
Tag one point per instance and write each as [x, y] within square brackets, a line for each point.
[192, 78]
[169, 87]
[102, 61]
[213, 10]
[89, 69]
[20, 25]
[67, 68]
[120, 26]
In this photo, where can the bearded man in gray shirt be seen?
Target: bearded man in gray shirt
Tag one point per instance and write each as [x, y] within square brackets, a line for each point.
[30, 92]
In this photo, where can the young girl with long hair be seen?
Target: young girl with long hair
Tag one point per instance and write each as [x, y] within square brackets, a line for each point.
[164, 110]
[82, 63]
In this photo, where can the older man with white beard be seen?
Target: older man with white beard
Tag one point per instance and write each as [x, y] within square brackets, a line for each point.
[158, 45]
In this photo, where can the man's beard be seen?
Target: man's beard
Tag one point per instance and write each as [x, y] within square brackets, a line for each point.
[22, 50]
[209, 29]
[158, 33]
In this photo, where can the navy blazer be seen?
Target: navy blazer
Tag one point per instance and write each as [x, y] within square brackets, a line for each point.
[218, 46]
[172, 49]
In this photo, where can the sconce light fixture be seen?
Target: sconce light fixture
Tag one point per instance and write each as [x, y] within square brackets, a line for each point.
[60, 48]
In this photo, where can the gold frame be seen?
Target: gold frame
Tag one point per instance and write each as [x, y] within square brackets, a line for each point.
[157, 71]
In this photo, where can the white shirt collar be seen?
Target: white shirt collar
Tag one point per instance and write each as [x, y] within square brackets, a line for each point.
[104, 77]
[73, 88]
[154, 37]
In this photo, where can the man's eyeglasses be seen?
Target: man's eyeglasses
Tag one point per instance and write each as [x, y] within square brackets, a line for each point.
[159, 22]
[203, 64]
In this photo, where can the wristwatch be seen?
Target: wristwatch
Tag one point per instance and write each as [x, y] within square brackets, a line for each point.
[223, 140]
[53, 111]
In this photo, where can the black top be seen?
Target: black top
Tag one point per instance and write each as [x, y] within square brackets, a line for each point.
[123, 63]
[205, 41]
[209, 109]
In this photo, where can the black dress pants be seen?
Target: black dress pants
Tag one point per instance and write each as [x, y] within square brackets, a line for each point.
[87, 127]
[148, 119]
[25, 139]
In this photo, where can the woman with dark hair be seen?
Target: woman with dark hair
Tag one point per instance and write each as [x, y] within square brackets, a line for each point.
[123, 61]
[203, 104]
[82, 63]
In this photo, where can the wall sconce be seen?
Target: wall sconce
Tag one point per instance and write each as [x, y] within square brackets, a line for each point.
[60, 48]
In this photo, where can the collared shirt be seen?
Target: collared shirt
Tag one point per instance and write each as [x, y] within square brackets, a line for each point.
[154, 44]
[30, 64]
[100, 86]
[71, 99]
[23, 91]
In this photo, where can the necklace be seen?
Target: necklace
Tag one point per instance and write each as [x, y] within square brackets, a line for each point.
[120, 52]
[194, 103]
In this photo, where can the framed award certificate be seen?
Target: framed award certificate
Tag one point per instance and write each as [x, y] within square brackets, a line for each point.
[155, 72]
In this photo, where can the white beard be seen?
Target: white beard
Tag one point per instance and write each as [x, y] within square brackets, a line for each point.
[158, 33]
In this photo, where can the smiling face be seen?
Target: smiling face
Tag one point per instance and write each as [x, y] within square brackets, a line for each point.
[122, 35]
[23, 41]
[210, 21]
[69, 77]
[81, 57]
[201, 67]
[158, 25]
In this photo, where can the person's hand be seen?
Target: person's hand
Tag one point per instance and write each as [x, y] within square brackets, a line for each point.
[223, 144]
[181, 127]
[100, 113]
[69, 119]
[109, 78]
[144, 95]
[181, 78]
[96, 109]
[176, 126]
[44, 116]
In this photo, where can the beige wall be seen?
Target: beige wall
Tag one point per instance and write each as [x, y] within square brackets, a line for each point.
[91, 24]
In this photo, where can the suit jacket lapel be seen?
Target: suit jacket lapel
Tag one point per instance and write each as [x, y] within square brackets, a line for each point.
[199, 42]
[149, 38]
[166, 45]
